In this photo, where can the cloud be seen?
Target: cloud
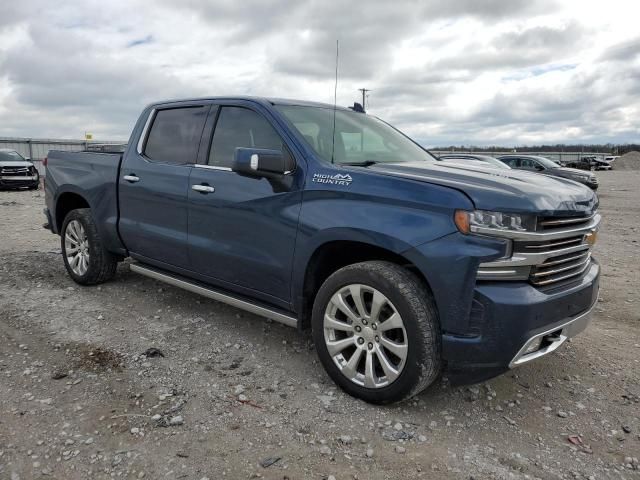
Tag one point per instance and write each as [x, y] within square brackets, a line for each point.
[466, 71]
[140, 41]
[61, 77]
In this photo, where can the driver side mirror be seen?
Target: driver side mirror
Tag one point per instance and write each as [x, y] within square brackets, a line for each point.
[260, 162]
[539, 168]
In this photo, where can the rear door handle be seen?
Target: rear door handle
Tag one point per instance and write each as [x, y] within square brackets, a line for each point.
[131, 178]
[203, 188]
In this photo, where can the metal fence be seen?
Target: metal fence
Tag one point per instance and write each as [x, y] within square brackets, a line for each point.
[37, 148]
[562, 157]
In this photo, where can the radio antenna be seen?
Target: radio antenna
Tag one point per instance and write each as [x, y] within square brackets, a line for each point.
[335, 101]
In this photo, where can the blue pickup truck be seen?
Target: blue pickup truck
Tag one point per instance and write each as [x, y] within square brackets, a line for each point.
[404, 267]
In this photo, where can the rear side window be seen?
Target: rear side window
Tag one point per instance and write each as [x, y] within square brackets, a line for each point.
[175, 135]
[240, 127]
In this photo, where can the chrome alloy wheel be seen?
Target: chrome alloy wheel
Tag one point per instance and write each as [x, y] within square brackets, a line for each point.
[365, 336]
[76, 246]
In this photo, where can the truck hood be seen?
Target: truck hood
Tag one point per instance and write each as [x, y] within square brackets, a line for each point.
[16, 164]
[501, 189]
[571, 171]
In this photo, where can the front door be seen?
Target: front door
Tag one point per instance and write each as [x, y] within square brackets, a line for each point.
[242, 230]
[154, 186]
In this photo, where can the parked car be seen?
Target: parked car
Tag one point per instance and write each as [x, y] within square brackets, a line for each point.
[462, 158]
[323, 217]
[582, 163]
[589, 162]
[538, 164]
[17, 171]
[602, 164]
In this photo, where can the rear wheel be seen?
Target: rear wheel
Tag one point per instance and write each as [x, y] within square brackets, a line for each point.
[376, 331]
[85, 258]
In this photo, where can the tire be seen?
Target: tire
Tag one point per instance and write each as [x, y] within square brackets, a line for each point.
[99, 265]
[419, 336]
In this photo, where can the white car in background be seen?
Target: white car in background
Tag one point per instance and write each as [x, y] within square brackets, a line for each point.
[17, 171]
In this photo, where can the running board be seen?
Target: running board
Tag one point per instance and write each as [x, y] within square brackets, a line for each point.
[214, 294]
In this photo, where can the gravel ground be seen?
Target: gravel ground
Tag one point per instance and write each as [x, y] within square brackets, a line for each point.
[234, 396]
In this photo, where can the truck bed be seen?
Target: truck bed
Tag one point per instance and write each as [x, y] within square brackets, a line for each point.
[94, 177]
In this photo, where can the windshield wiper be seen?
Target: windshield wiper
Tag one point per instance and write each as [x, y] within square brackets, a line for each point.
[366, 163]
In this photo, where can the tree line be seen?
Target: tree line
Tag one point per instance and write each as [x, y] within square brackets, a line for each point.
[614, 149]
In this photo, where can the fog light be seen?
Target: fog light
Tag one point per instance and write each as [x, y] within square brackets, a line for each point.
[533, 346]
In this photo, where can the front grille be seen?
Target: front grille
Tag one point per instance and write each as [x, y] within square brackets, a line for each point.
[15, 171]
[558, 253]
[555, 223]
[560, 268]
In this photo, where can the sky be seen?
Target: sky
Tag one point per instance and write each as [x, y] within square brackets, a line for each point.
[455, 72]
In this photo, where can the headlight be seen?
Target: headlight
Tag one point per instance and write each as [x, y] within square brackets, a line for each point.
[492, 223]
[582, 178]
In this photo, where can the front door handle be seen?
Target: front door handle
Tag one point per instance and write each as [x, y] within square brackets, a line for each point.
[131, 178]
[203, 188]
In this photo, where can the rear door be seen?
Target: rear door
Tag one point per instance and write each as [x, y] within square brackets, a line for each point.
[242, 230]
[154, 185]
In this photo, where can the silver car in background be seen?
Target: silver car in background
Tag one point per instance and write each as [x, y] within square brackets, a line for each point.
[17, 171]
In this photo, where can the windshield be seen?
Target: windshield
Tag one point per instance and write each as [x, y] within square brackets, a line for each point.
[359, 138]
[546, 162]
[10, 156]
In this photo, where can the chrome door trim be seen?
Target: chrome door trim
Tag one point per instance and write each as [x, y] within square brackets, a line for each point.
[213, 167]
[215, 295]
[145, 131]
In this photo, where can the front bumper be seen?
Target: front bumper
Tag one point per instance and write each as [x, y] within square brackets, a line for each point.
[508, 316]
[546, 342]
[17, 181]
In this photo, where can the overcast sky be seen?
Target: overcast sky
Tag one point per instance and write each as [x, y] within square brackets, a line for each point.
[508, 72]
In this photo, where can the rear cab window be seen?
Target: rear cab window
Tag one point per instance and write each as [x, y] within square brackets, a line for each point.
[175, 134]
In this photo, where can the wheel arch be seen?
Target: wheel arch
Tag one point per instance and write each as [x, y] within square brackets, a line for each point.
[332, 254]
[66, 202]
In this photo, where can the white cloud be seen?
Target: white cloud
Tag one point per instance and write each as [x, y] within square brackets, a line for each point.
[498, 71]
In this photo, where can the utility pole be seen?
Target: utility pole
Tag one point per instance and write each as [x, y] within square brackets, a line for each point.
[364, 93]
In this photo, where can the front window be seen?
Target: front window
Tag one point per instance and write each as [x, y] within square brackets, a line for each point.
[11, 156]
[358, 139]
[240, 127]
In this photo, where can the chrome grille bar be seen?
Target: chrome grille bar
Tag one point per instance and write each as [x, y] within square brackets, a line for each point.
[542, 283]
[548, 246]
[555, 222]
[549, 263]
[538, 272]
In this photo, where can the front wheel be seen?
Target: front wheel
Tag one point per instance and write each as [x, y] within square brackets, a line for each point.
[376, 330]
[85, 258]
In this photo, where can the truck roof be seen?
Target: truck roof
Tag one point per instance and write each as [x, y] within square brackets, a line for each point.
[262, 100]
